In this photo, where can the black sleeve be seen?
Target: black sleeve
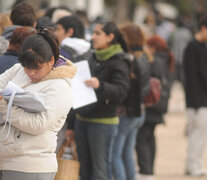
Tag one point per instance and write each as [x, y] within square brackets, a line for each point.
[71, 119]
[144, 75]
[116, 90]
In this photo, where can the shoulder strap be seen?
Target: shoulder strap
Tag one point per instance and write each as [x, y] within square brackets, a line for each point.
[8, 117]
[72, 53]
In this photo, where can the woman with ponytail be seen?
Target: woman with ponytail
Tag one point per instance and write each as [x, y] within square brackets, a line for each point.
[28, 152]
[161, 68]
[97, 124]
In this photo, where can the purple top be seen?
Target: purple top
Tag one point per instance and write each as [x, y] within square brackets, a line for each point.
[60, 62]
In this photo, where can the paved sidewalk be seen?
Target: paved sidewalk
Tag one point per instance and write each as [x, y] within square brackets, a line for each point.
[171, 141]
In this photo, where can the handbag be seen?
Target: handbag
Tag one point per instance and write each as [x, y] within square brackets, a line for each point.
[153, 97]
[68, 168]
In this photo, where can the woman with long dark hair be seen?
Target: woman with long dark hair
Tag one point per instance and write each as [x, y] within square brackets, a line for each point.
[97, 124]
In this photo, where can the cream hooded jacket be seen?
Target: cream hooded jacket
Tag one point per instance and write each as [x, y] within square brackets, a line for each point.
[32, 139]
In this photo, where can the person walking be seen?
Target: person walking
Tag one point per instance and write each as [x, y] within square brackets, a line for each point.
[195, 84]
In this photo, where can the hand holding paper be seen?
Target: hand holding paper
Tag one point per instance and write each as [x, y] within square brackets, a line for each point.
[93, 82]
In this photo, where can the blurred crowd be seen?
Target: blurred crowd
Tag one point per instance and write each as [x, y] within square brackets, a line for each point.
[124, 61]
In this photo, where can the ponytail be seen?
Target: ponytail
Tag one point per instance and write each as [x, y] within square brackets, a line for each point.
[51, 39]
[110, 27]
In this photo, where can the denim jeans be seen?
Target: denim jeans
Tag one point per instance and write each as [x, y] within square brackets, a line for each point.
[94, 145]
[123, 159]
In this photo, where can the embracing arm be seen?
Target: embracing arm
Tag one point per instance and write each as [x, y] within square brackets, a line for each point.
[58, 104]
[7, 75]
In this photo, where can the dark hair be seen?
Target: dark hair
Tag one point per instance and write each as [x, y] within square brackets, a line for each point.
[44, 21]
[74, 23]
[23, 14]
[50, 11]
[133, 35]
[202, 22]
[161, 45]
[110, 27]
[18, 36]
[38, 49]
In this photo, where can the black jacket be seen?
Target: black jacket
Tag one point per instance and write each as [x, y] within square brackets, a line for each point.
[195, 73]
[139, 86]
[113, 75]
[7, 60]
[160, 70]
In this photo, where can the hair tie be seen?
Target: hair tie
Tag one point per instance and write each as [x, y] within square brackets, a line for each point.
[41, 30]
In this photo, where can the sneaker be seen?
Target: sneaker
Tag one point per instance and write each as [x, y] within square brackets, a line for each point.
[197, 173]
[145, 177]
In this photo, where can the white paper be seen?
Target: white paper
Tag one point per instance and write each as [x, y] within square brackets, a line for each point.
[11, 87]
[82, 94]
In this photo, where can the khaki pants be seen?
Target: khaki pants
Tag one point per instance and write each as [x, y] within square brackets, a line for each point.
[197, 137]
[14, 175]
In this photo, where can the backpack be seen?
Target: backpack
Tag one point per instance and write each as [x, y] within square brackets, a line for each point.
[74, 56]
[164, 77]
[153, 97]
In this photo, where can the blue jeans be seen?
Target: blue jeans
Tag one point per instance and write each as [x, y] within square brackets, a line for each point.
[123, 159]
[95, 145]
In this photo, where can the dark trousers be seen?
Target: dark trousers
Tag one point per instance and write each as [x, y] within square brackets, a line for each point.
[145, 148]
[15, 175]
[95, 143]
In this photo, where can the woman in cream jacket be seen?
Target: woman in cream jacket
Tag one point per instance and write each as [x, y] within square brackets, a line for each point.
[29, 151]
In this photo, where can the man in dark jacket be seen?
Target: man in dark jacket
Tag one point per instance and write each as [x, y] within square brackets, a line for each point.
[195, 64]
[70, 34]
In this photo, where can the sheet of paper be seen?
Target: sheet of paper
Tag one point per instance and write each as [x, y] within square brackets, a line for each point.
[10, 88]
[82, 94]
[8, 91]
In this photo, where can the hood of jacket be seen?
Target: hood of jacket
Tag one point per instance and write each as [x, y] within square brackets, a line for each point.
[3, 45]
[9, 31]
[62, 72]
[81, 46]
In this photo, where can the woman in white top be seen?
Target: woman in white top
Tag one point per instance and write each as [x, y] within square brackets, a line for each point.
[29, 151]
